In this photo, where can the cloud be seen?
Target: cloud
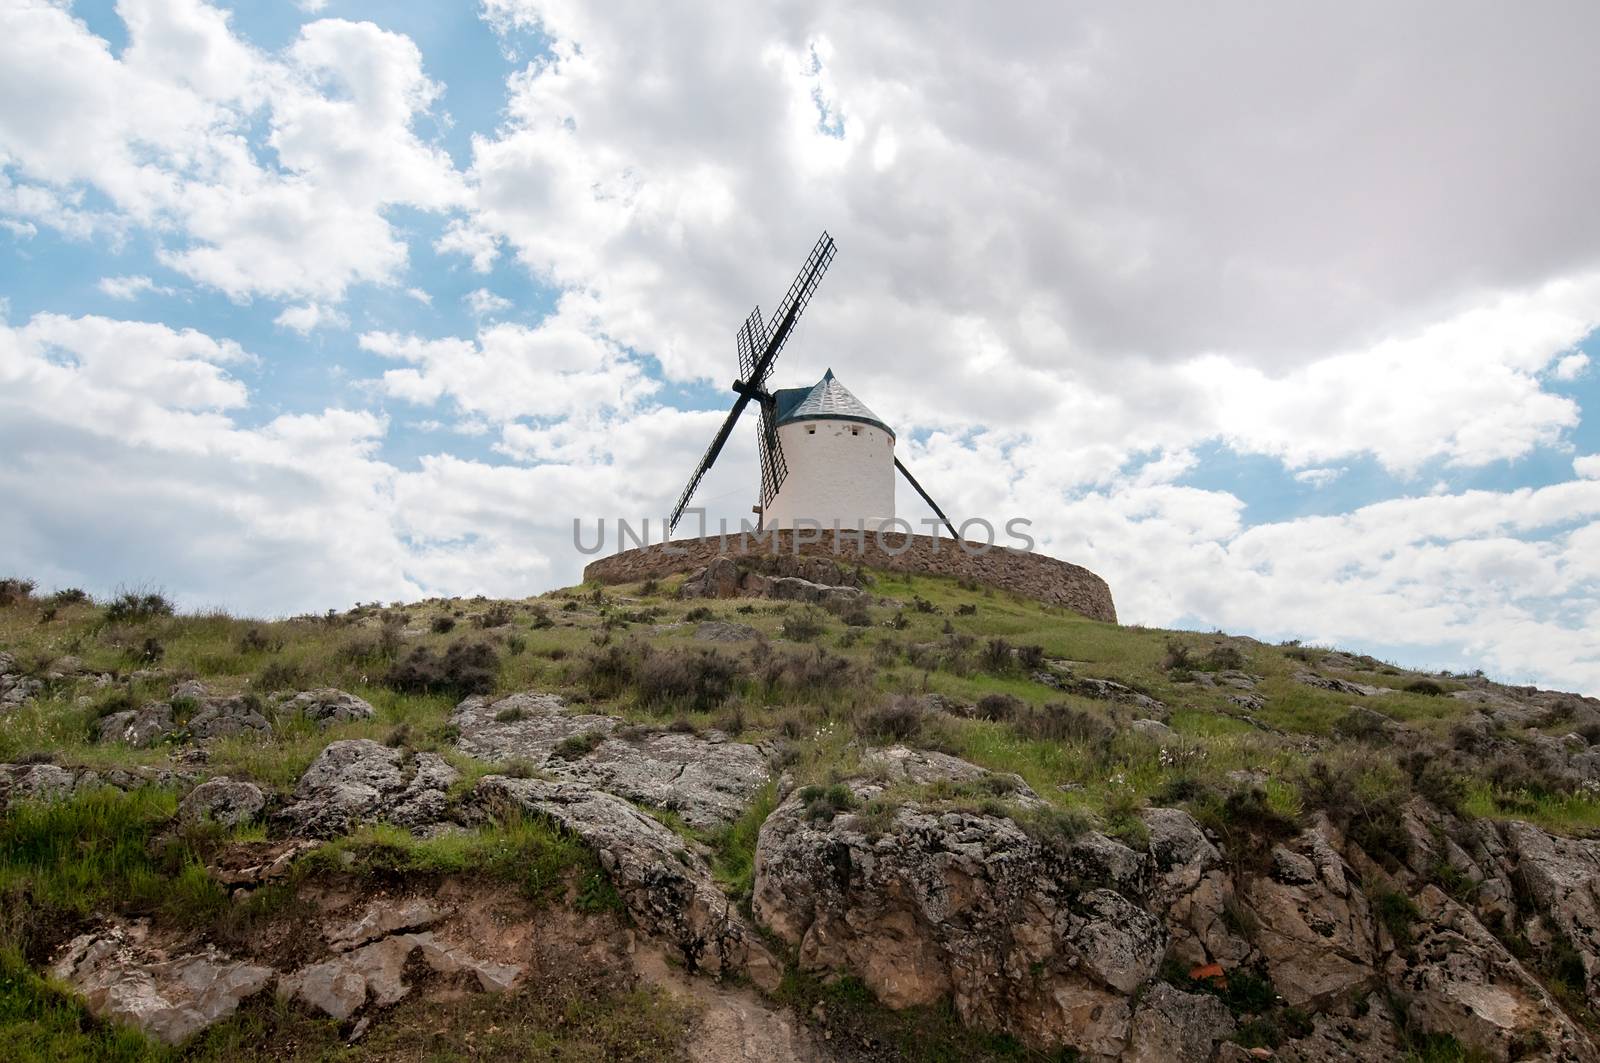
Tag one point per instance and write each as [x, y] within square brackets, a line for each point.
[1587, 466]
[1319, 478]
[130, 287]
[1572, 366]
[160, 133]
[484, 303]
[304, 318]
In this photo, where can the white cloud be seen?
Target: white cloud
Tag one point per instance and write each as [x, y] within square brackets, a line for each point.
[1587, 466]
[311, 7]
[462, 238]
[130, 287]
[1571, 367]
[308, 316]
[161, 133]
[484, 303]
[1319, 478]
[420, 296]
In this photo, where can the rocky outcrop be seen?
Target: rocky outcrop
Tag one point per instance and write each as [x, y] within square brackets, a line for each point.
[705, 778]
[377, 973]
[668, 890]
[227, 717]
[357, 780]
[144, 726]
[16, 687]
[326, 706]
[169, 998]
[1170, 1025]
[223, 800]
[1045, 939]
[795, 579]
[53, 782]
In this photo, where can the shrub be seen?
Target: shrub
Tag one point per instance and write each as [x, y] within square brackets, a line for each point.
[823, 803]
[1396, 912]
[897, 719]
[1030, 657]
[1063, 723]
[802, 626]
[516, 644]
[442, 625]
[1178, 657]
[1000, 707]
[497, 615]
[541, 617]
[256, 640]
[15, 591]
[699, 680]
[71, 596]
[967, 609]
[856, 616]
[997, 657]
[151, 651]
[809, 673]
[1052, 825]
[698, 613]
[1424, 686]
[922, 605]
[650, 587]
[464, 668]
[1223, 659]
[133, 607]
[280, 675]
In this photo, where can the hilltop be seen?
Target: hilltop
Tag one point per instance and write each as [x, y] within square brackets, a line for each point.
[776, 811]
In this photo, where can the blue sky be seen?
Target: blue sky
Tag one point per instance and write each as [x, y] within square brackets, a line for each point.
[310, 304]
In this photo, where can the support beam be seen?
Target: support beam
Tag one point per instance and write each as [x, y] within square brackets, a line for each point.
[912, 480]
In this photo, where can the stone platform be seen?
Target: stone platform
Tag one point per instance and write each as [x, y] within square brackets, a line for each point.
[1032, 575]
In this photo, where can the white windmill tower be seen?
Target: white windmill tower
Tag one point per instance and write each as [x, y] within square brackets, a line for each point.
[825, 457]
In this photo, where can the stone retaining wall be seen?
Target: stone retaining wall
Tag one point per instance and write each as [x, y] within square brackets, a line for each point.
[1032, 575]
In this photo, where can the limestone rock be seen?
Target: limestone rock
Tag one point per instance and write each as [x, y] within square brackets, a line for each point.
[34, 782]
[1171, 1025]
[225, 717]
[704, 778]
[1339, 686]
[358, 780]
[327, 706]
[1563, 877]
[137, 727]
[668, 891]
[223, 800]
[171, 999]
[1460, 980]
[382, 918]
[1153, 729]
[724, 631]
[16, 688]
[1020, 935]
[1314, 930]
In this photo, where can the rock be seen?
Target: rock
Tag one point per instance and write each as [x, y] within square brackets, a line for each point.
[381, 919]
[920, 767]
[1562, 875]
[1193, 889]
[704, 778]
[1021, 935]
[137, 727]
[122, 980]
[1339, 686]
[1343, 1035]
[1170, 1026]
[1104, 689]
[35, 782]
[795, 589]
[1459, 980]
[357, 780]
[668, 891]
[326, 706]
[225, 717]
[1153, 729]
[1313, 930]
[723, 631]
[719, 579]
[223, 800]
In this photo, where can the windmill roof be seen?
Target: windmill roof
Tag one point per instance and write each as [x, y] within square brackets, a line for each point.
[826, 400]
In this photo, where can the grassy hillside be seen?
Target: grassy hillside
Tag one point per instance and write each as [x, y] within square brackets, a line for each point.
[1005, 682]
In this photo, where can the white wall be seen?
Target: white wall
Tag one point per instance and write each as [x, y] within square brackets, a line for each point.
[838, 470]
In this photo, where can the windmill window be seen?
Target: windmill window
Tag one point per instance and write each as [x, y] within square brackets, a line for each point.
[811, 429]
[854, 430]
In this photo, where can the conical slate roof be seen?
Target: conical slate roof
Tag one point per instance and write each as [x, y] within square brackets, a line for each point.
[827, 400]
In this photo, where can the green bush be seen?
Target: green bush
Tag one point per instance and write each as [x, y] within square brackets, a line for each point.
[136, 606]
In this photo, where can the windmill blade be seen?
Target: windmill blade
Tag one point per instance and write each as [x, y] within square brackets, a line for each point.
[770, 447]
[912, 480]
[794, 301]
[751, 340]
[706, 461]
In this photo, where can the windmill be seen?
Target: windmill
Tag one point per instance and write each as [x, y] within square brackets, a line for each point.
[759, 344]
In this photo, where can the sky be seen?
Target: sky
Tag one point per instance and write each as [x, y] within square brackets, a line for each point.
[1281, 319]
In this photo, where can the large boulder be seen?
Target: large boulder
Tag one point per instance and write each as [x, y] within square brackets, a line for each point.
[144, 726]
[358, 780]
[1193, 889]
[16, 688]
[1314, 927]
[170, 998]
[704, 778]
[229, 802]
[667, 889]
[326, 706]
[1170, 1025]
[227, 717]
[377, 972]
[1043, 938]
[1459, 980]
[1562, 877]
